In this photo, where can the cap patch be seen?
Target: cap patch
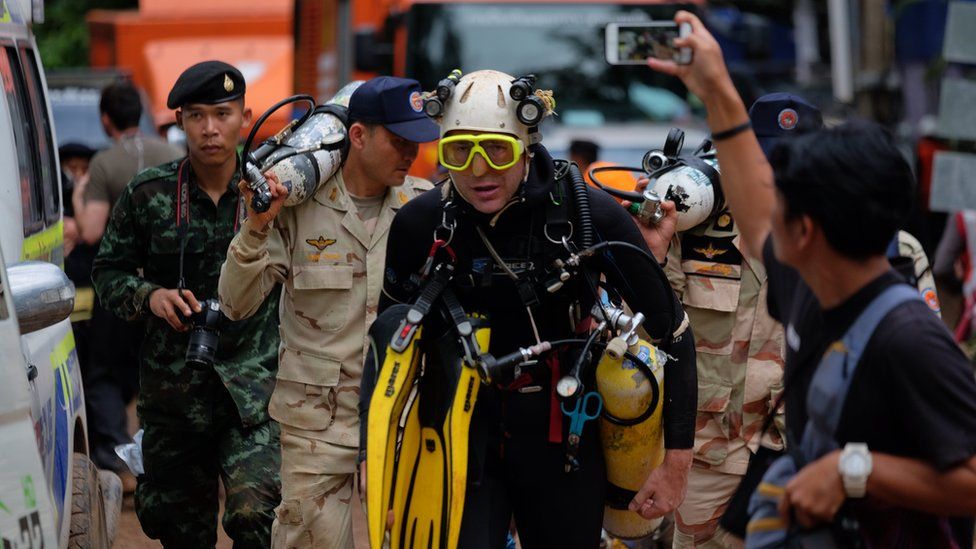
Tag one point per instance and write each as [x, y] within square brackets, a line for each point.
[787, 119]
[228, 83]
[416, 102]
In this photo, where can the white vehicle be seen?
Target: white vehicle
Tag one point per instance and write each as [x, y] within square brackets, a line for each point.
[50, 493]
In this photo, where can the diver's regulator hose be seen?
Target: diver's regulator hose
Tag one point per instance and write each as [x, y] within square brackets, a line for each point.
[582, 201]
[261, 201]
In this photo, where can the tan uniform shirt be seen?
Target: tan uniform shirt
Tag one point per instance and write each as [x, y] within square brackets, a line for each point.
[739, 346]
[332, 271]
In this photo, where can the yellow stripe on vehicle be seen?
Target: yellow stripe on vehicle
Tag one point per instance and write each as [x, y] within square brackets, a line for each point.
[40, 245]
[59, 363]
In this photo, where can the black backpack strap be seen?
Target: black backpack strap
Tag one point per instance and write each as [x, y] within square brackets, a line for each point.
[436, 283]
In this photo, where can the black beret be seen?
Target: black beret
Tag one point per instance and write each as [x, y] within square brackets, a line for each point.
[209, 82]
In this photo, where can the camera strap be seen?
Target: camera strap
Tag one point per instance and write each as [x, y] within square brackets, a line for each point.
[183, 213]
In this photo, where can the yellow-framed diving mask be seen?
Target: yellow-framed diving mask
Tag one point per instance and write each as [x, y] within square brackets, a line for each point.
[500, 151]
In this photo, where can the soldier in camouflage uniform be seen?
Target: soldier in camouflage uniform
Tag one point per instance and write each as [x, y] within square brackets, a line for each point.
[201, 423]
[329, 253]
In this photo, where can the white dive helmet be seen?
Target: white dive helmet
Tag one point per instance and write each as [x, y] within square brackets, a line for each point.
[481, 102]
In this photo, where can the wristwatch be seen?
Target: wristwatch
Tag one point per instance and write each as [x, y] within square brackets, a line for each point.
[855, 467]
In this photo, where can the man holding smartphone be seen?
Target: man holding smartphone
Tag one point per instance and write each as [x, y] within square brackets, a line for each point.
[893, 446]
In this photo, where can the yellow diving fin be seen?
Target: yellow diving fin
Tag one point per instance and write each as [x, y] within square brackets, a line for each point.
[393, 386]
[431, 472]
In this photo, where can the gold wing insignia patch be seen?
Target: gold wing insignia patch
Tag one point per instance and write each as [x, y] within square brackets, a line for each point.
[320, 243]
[710, 252]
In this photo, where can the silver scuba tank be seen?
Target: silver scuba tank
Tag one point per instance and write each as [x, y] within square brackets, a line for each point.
[304, 155]
[690, 181]
[694, 193]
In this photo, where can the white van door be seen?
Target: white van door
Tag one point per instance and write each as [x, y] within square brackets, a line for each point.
[26, 511]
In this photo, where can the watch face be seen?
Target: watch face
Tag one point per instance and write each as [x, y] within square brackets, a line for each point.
[854, 465]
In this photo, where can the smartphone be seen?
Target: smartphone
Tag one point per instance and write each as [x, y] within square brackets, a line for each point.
[633, 43]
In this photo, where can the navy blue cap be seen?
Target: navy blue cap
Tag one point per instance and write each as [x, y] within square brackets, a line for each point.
[778, 116]
[397, 104]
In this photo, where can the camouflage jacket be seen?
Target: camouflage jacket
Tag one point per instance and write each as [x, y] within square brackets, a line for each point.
[739, 346]
[142, 237]
[332, 271]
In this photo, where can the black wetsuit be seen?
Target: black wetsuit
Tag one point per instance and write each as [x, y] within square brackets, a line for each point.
[515, 468]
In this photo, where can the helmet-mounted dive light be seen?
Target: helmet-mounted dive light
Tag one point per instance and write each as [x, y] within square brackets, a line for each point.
[530, 111]
[433, 107]
[446, 86]
[434, 102]
[522, 87]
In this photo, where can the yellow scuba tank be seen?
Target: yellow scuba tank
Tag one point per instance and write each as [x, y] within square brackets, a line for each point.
[631, 429]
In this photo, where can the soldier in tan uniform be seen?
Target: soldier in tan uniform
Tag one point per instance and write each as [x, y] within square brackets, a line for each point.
[739, 346]
[740, 371]
[328, 252]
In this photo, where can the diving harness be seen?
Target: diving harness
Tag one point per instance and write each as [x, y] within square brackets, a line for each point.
[618, 391]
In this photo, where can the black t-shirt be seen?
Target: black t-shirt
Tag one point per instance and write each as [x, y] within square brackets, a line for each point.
[913, 393]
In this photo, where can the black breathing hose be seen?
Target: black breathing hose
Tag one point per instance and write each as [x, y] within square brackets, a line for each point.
[592, 250]
[261, 199]
[261, 120]
[582, 200]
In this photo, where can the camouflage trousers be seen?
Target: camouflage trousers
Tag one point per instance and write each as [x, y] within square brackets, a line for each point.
[696, 519]
[317, 493]
[177, 499]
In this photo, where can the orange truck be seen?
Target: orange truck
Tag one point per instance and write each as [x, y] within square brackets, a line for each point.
[625, 109]
[163, 37]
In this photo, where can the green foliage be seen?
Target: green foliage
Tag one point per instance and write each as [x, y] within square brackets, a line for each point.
[63, 38]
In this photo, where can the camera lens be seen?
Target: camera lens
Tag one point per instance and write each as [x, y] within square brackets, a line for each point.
[202, 348]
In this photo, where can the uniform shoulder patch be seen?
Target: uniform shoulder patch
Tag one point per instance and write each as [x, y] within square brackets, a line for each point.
[154, 173]
[418, 184]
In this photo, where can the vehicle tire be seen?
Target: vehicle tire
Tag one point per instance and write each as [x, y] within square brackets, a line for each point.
[112, 494]
[89, 529]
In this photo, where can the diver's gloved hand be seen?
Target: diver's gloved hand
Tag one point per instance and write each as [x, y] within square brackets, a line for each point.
[260, 221]
[665, 487]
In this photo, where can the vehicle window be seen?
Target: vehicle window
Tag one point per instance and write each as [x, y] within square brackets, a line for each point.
[45, 142]
[15, 88]
[561, 43]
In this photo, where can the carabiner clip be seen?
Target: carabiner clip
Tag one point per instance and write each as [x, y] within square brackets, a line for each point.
[437, 245]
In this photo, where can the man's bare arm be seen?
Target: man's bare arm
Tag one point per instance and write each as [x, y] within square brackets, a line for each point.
[747, 179]
[92, 219]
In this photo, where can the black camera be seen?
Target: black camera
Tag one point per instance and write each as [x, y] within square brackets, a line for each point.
[204, 333]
